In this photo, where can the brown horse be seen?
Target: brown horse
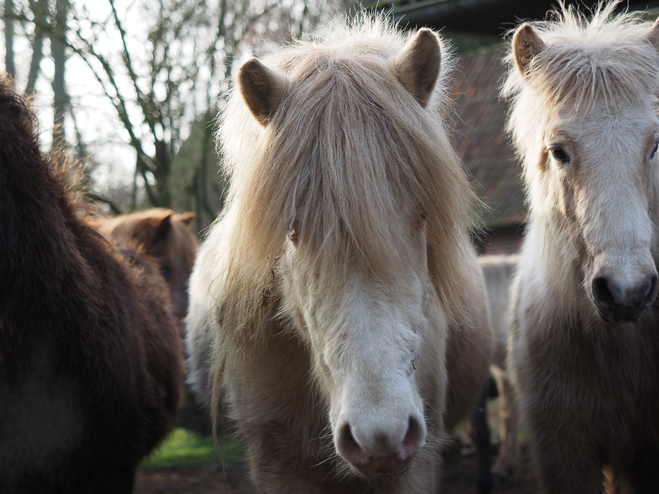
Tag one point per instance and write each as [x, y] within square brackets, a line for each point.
[90, 360]
[339, 298]
[167, 238]
[584, 339]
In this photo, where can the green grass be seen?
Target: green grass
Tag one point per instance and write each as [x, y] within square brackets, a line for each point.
[187, 448]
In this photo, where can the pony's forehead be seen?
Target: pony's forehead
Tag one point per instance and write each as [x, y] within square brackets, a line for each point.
[637, 114]
[571, 72]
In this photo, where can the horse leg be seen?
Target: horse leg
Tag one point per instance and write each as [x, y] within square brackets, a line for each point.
[480, 435]
[508, 458]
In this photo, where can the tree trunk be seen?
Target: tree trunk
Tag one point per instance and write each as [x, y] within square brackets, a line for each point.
[60, 99]
[10, 66]
[162, 161]
[40, 12]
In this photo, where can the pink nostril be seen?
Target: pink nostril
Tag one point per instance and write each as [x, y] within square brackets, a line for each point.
[383, 454]
[349, 448]
[413, 440]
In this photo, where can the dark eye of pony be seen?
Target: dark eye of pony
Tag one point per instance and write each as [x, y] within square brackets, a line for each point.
[654, 150]
[559, 154]
[420, 221]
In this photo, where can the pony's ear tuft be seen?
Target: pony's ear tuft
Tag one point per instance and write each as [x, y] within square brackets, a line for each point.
[153, 228]
[187, 218]
[417, 65]
[165, 224]
[526, 45]
[653, 35]
[262, 88]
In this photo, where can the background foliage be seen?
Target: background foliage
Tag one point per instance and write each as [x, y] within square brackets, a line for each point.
[132, 86]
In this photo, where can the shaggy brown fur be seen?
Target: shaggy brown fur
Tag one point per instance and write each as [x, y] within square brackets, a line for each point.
[90, 360]
[164, 236]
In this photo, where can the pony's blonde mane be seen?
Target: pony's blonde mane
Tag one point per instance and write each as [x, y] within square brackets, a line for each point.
[586, 59]
[346, 147]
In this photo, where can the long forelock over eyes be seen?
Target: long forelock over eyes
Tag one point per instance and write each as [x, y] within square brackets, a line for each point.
[347, 146]
[607, 57]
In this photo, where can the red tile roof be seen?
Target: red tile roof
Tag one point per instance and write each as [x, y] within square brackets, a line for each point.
[480, 139]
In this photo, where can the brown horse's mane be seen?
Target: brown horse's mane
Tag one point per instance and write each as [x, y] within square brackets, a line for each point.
[347, 146]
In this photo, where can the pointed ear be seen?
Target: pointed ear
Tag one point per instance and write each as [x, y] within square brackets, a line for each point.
[153, 228]
[653, 36]
[165, 224]
[526, 45]
[417, 65]
[187, 219]
[262, 88]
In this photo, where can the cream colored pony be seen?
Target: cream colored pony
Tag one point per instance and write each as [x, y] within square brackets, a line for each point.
[340, 283]
[585, 329]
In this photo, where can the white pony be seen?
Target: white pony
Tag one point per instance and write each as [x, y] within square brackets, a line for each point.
[340, 283]
[585, 344]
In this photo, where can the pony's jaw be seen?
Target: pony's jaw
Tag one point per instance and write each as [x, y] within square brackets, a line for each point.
[179, 294]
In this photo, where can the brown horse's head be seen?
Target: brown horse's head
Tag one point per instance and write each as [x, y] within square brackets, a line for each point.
[165, 236]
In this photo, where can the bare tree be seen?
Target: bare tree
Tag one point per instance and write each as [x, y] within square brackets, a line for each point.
[58, 51]
[9, 20]
[164, 66]
[38, 13]
[191, 46]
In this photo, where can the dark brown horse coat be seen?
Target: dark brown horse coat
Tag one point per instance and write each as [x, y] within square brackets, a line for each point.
[90, 358]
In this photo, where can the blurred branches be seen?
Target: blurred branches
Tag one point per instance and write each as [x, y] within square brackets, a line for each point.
[163, 66]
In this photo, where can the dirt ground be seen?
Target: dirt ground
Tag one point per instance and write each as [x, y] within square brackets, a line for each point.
[459, 478]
